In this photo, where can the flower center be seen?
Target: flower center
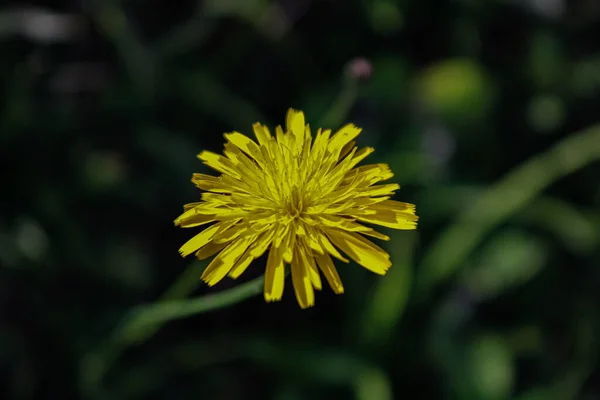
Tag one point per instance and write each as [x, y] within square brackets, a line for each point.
[293, 204]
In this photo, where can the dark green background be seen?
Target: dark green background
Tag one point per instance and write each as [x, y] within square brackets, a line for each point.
[496, 296]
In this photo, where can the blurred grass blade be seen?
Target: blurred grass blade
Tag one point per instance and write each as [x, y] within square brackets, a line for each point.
[137, 59]
[144, 321]
[386, 305]
[200, 90]
[577, 229]
[148, 317]
[509, 259]
[321, 366]
[502, 200]
[373, 384]
[341, 106]
[185, 37]
[185, 283]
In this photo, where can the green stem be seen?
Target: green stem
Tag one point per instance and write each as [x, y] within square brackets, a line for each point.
[501, 201]
[339, 110]
[137, 59]
[144, 321]
[152, 316]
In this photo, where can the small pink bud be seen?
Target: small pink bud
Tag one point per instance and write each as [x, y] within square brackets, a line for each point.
[359, 69]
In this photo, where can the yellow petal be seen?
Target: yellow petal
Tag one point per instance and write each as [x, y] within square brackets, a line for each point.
[302, 284]
[375, 234]
[199, 240]
[219, 163]
[241, 265]
[390, 219]
[333, 278]
[319, 148]
[274, 275]
[380, 190]
[263, 243]
[288, 242]
[190, 219]
[262, 133]
[313, 240]
[335, 221]
[210, 183]
[257, 249]
[346, 149]
[334, 177]
[308, 260]
[330, 249]
[222, 264]
[342, 137]
[364, 252]
[230, 234]
[216, 199]
[209, 250]
[280, 135]
[189, 206]
[244, 165]
[247, 145]
[294, 123]
[370, 174]
[397, 206]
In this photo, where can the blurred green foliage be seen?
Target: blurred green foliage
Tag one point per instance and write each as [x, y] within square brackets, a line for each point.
[486, 112]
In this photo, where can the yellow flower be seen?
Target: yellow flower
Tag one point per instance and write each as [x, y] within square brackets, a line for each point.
[301, 198]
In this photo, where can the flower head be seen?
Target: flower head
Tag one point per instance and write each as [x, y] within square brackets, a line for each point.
[299, 197]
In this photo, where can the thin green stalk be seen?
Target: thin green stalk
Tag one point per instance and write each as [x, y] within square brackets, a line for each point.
[145, 317]
[339, 110]
[144, 321]
[137, 59]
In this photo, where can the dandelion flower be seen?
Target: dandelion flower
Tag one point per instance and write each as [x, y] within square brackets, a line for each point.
[300, 198]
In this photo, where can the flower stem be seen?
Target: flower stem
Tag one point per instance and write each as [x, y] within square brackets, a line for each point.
[148, 318]
[342, 105]
[144, 321]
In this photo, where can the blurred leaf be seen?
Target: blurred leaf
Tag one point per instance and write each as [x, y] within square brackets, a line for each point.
[185, 37]
[246, 9]
[31, 239]
[320, 364]
[546, 113]
[317, 101]
[372, 384]
[509, 259]
[389, 82]
[457, 89]
[203, 91]
[526, 339]
[387, 303]
[103, 171]
[539, 394]
[446, 255]
[491, 368]
[578, 229]
[129, 263]
[137, 59]
[546, 61]
[386, 17]
[576, 372]
[585, 77]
